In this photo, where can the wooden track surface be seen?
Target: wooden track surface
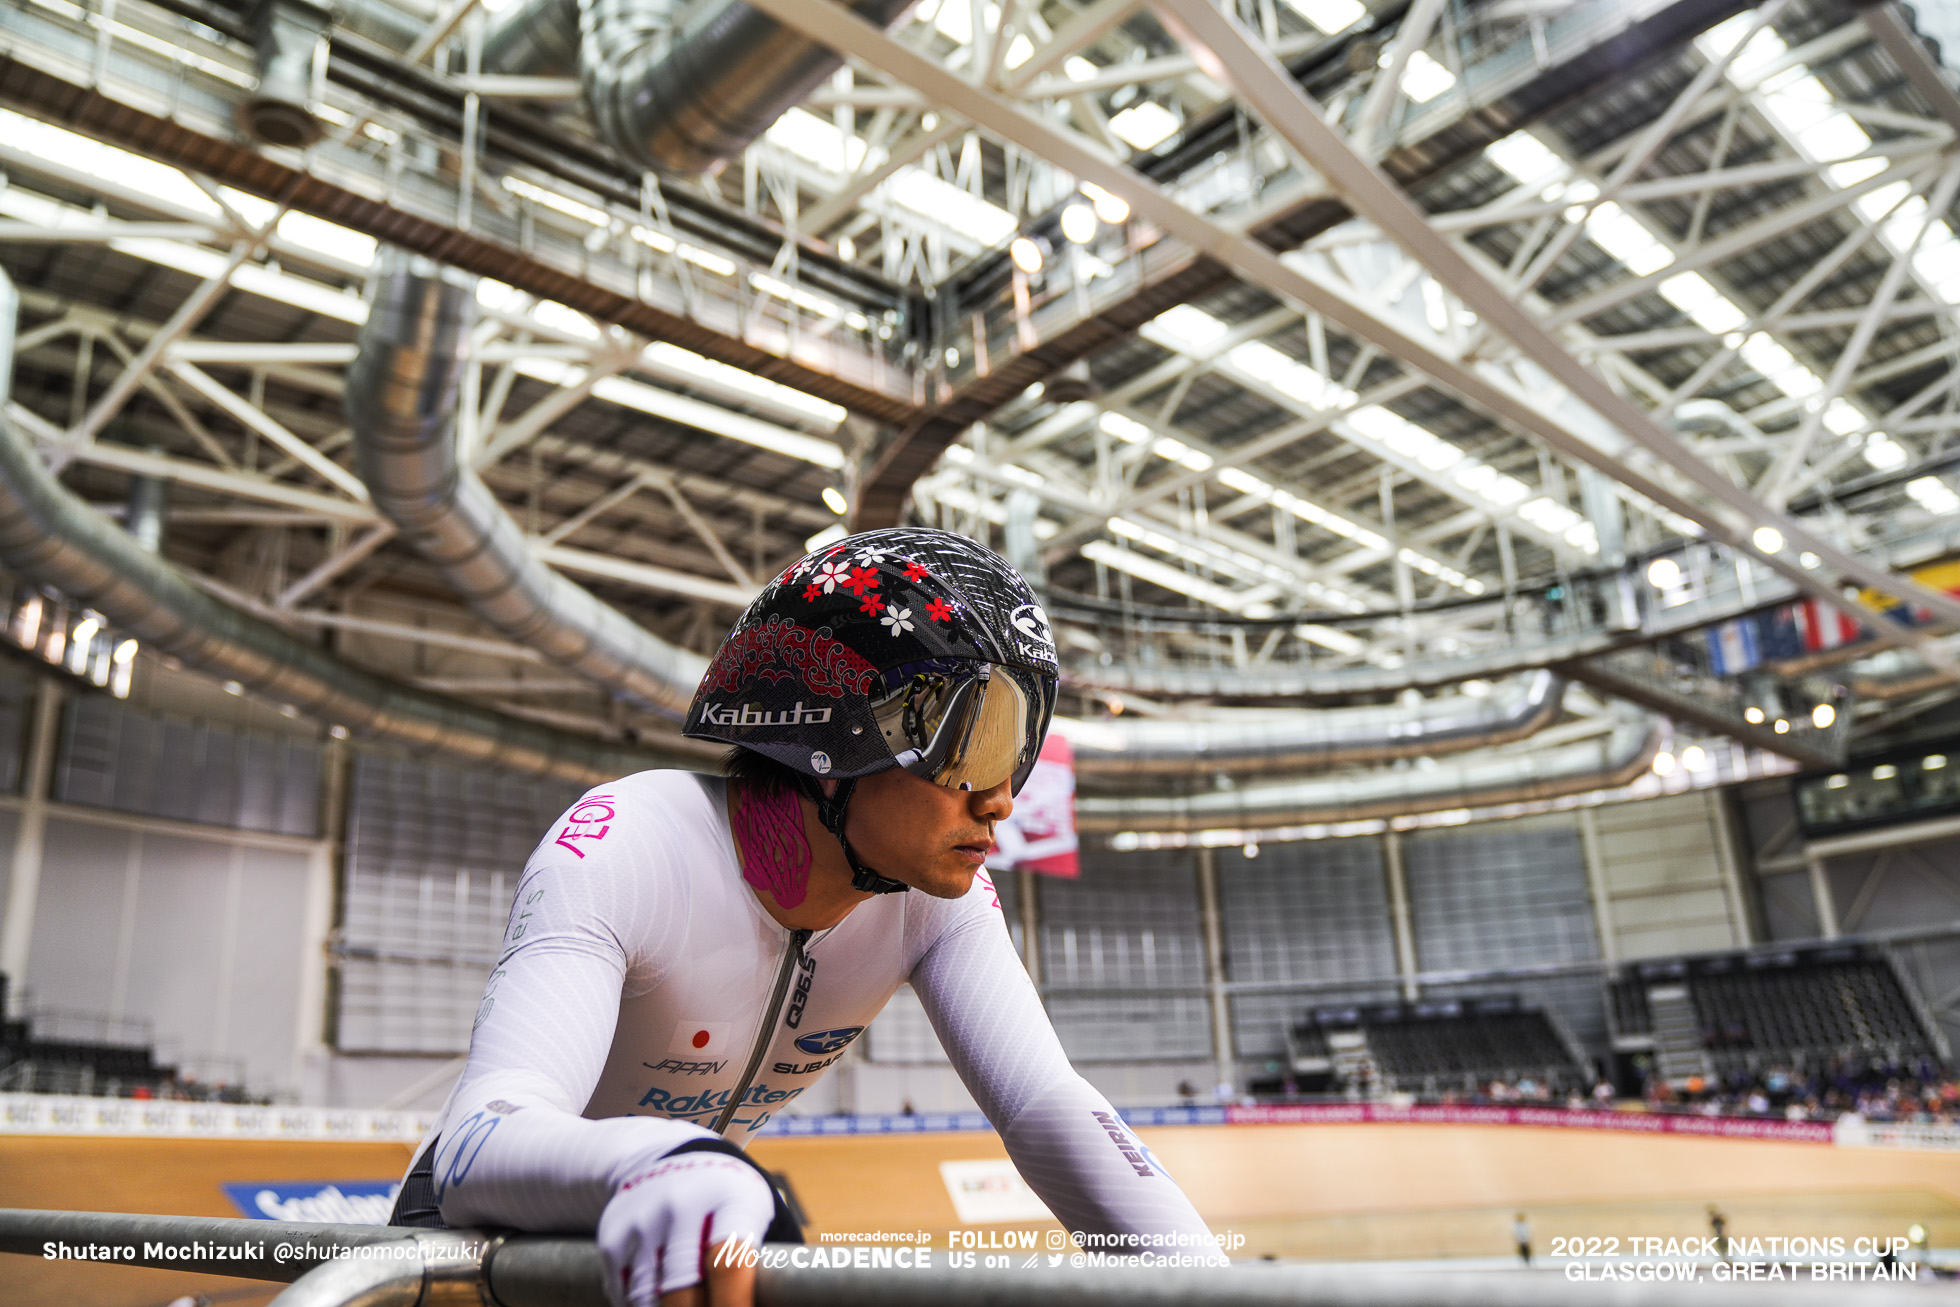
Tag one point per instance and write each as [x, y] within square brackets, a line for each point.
[1321, 1191]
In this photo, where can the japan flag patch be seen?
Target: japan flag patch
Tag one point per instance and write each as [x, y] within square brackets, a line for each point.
[699, 1039]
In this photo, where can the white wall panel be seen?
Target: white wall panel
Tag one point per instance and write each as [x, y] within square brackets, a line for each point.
[199, 938]
[1666, 880]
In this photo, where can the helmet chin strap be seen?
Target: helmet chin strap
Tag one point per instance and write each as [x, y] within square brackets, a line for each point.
[830, 811]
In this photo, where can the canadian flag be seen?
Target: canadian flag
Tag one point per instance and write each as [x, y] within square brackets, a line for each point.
[701, 1038]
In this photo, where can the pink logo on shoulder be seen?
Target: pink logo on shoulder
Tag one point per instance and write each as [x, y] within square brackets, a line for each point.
[590, 820]
[981, 876]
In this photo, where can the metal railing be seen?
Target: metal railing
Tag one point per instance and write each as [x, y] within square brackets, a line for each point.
[382, 1266]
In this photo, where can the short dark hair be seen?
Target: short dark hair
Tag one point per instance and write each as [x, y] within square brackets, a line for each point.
[760, 772]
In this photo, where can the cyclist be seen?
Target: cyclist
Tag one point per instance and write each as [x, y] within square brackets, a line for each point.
[687, 954]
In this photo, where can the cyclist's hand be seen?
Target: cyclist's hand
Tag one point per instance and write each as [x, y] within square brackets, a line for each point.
[659, 1234]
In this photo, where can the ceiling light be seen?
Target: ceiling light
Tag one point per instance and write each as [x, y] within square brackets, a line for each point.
[1664, 573]
[1112, 209]
[1837, 782]
[1026, 255]
[1808, 560]
[1694, 757]
[1782, 726]
[834, 500]
[1079, 223]
[1663, 763]
[1932, 762]
[1885, 771]
[1144, 124]
[1078, 69]
[1822, 716]
[817, 141]
[1768, 539]
[1753, 715]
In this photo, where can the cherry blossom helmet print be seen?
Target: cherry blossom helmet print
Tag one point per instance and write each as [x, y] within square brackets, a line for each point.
[903, 647]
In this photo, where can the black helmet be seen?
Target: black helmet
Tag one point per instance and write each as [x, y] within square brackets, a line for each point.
[903, 647]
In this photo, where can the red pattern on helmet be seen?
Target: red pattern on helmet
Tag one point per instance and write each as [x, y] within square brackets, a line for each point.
[781, 651]
[862, 579]
[915, 571]
[939, 610]
[872, 604]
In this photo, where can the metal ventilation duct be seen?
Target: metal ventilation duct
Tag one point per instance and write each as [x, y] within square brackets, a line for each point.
[1474, 781]
[290, 56]
[536, 38]
[682, 100]
[1253, 741]
[401, 396]
[51, 537]
[677, 99]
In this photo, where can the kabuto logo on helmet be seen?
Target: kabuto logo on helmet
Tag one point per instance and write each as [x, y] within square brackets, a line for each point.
[749, 715]
[1032, 623]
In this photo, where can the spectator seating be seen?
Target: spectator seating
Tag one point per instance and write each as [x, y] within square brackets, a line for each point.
[1450, 1046]
[31, 1062]
[1791, 1007]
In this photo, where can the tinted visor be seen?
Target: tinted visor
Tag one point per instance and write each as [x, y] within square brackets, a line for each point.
[964, 725]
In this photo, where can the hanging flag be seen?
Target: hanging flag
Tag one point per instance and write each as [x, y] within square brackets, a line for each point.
[1824, 627]
[1732, 647]
[1040, 836]
[1779, 633]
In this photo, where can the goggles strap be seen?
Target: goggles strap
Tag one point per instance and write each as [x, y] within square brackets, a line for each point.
[831, 811]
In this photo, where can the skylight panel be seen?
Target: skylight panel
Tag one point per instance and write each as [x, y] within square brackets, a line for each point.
[1123, 428]
[1525, 157]
[1883, 452]
[1777, 363]
[1245, 483]
[1184, 329]
[104, 162]
[1288, 376]
[950, 206]
[1621, 235]
[1144, 124]
[1423, 79]
[1329, 16]
[817, 141]
[328, 238]
[1711, 310]
[684, 363]
[1841, 418]
[1177, 580]
[1933, 495]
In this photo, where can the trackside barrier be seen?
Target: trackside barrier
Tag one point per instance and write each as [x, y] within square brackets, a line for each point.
[370, 1266]
[58, 1114]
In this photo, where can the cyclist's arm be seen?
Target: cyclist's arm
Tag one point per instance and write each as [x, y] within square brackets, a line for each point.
[1065, 1138]
[515, 1150]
